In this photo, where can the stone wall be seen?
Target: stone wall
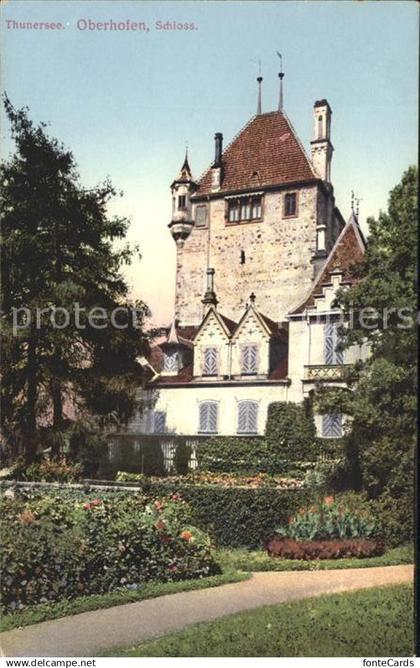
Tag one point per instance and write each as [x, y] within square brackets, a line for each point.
[278, 264]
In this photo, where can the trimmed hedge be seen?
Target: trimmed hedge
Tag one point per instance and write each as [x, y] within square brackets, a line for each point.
[290, 431]
[235, 516]
[232, 454]
[289, 446]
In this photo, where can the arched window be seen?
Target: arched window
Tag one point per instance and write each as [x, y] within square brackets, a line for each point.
[320, 132]
[247, 417]
[207, 417]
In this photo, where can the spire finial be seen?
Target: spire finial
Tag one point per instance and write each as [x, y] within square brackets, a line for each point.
[281, 75]
[210, 298]
[355, 205]
[252, 298]
[260, 80]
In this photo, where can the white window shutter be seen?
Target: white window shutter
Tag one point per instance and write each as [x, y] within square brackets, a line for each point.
[210, 365]
[249, 359]
[247, 417]
[208, 417]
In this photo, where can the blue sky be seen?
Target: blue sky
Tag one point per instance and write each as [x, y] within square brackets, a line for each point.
[126, 103]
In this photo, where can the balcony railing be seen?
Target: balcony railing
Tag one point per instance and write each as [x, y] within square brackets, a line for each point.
[325, 371]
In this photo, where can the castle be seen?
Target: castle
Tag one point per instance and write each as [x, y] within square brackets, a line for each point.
[261, 250]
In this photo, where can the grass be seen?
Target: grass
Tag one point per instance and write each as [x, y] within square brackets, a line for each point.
[371, 622]
[46, 611]
[258, 560]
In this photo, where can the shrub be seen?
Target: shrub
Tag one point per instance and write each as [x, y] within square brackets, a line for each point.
[55, 548]
[88, 447]
[330, 519]
[290, 431]
[234, 516]
[182, 458]
[287, 548]
[396, 517]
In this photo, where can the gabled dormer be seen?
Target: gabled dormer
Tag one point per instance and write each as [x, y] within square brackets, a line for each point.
[256, 345]
[211, 346]
[175, 352]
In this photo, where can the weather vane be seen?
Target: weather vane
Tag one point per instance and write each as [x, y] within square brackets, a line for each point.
[281, 60]
[355, 204]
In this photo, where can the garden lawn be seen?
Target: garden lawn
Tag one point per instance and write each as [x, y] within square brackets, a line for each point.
[258, 560]
[46, 611]
[371, 622]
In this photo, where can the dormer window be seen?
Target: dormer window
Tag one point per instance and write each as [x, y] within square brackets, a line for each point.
[171, 361]
[182, 199]
[245, 208]
[290, 205]
[210, 362]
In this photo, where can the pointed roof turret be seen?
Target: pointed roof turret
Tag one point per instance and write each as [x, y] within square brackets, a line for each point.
[185, 174]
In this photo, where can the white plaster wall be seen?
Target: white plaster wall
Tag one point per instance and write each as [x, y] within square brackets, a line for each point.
[181, 405]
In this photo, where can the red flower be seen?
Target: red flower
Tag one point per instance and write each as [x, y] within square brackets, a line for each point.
[186, 535]
[160, 524]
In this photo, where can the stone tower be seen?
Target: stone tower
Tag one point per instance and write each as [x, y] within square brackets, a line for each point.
[262, 216]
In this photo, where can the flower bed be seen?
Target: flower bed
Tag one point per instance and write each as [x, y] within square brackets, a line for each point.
[330, 529]
[56, 547]
[210, 478]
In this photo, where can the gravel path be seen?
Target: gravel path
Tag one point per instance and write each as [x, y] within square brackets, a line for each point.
[88, 633]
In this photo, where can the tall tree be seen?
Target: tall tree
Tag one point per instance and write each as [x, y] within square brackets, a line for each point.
[381, 307]
[60, 263]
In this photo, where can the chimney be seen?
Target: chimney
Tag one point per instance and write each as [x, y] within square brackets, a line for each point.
[216, 176]
[321, 146]
[218, 148]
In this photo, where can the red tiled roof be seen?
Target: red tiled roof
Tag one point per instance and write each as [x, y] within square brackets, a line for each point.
[265, 153]
[188, 332]
[272, 326]
[347, 251]
[281, 371]
[230, 324]
[185, 375]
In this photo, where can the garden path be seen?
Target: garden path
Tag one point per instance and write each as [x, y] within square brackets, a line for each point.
[90, 633]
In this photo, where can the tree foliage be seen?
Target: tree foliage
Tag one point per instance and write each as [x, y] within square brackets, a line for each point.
[61, 253]
[382, 403]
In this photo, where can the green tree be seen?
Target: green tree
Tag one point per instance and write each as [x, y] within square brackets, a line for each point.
[59, 257]
[381, 309]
